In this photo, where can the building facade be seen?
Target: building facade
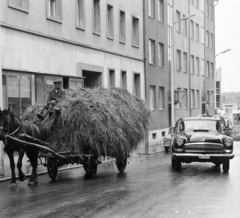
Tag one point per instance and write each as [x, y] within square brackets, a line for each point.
[156, 70]
[83, 42]
[193, 55]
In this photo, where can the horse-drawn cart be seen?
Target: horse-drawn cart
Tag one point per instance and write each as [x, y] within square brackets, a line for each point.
[53, 160]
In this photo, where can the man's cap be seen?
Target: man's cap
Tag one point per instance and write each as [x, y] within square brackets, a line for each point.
[57, 81]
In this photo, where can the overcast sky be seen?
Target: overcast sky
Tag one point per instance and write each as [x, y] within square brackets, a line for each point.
[228, 36]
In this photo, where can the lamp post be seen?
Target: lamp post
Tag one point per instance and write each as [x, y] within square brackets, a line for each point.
[215, 76]
[172, 66]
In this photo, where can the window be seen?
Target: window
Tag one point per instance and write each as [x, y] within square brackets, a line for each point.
[151, 8]
[192, 2]
[75, 84]
[179, 23]
[17, 91]
[185, 99]
[152, 97]
[192, 64]
[80, 14]
[207, 38]
[210, 11]
[123, 79]
[207, 69]
[192, 98]
[137, 85]
[197, 32]
[197, 99]
[202, 35]
[207, 8]
[197, 66]
[55, 9]
[160, 10]
[185, 62]
[19, 4]
[191, 29]
[122, 27]
[212, 69]
[184, 26]
[96, 17]
[110, 21]
[111, 78]
[197, 4]
[152, 51]
[178, 60]
[135, 31]
[211, 41]
[161, 54]
[161, 98]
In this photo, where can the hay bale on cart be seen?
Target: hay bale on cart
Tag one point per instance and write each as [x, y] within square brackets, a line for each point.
[99, 121]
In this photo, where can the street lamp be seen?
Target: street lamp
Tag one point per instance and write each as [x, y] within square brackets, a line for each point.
[225, 51]
[172, 66]
[215, 76]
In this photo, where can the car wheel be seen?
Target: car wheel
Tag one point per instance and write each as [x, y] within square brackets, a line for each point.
[173, 162]
[177, 164]
[225, 166]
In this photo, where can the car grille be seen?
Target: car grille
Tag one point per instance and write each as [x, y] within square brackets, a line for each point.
[203, 147]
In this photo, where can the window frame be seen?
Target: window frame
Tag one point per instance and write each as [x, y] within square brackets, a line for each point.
[96, 30]
[58, 17]
[122, 40]
[78, 25]
[110, 22]
[19, 8]
[135, 32]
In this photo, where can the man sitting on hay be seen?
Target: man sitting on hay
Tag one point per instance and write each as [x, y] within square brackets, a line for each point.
[57, 94]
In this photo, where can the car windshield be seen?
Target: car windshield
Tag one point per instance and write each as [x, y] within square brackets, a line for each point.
[202, 125]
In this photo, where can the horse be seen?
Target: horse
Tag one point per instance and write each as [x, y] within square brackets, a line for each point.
[12, 125]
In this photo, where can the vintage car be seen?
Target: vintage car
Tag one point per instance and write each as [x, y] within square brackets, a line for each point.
[200, 139]
[167, 138]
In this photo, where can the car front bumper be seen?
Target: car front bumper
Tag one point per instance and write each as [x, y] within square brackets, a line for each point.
[203, 157]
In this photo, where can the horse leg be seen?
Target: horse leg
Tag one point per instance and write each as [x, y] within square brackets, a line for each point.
[13, 183]
[33, 178]
[22, 176]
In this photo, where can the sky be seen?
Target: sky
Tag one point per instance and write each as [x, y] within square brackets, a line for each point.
[227, 30]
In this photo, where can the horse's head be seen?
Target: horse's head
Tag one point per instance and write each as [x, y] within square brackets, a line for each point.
[4, 123]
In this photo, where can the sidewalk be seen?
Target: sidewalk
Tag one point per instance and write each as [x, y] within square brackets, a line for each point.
[41, 169]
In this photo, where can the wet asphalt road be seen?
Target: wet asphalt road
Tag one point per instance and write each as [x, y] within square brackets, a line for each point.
[148, 188]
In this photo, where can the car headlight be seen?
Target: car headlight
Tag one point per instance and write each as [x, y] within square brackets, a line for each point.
[180, 141]
[228, 142]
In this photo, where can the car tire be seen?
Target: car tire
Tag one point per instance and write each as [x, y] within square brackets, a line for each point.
[226, 166]
[173, 162]
[177, 164]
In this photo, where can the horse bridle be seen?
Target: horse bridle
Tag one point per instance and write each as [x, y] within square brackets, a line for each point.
[5, 129]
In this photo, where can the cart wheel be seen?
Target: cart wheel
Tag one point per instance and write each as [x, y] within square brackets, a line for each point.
[90, 166]
[52, 168]
[122, 161]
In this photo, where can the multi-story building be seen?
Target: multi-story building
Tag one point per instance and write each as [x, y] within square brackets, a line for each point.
[83, 42]
[218, 97]
[156, 69]
[193, 55]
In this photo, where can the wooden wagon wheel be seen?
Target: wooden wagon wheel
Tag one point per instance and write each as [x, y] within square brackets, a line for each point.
[121, 161]
[52, 168]
[90, 166]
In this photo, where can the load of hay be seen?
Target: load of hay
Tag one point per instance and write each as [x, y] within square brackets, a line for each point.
[99, 119]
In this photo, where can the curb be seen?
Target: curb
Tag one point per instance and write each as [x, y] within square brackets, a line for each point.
[77, 166]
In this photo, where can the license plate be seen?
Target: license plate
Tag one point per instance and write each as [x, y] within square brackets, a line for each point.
[204, 157]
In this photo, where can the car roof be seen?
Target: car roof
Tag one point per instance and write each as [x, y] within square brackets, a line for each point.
[199, 118]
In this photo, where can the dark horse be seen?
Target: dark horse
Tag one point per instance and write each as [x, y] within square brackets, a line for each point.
[12, 125]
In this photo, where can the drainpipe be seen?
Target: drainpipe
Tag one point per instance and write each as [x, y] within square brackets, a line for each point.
[189, 61]
[145, 64]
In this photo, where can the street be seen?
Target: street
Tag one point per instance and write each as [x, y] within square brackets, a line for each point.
[148, 188]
